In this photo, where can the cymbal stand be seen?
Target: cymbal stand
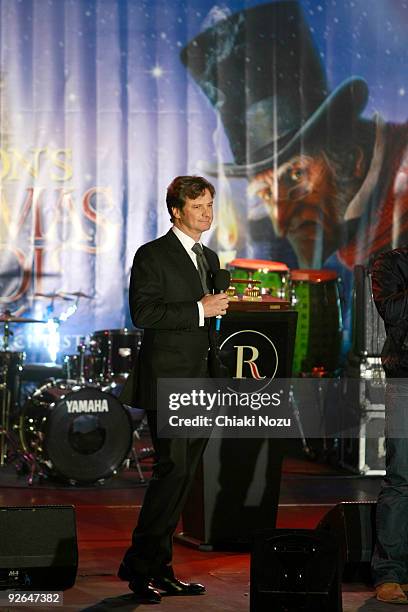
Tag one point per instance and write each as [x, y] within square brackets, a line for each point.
[5, 396]
[81, 350]
[10, 450]
[135, 457]
[319, 373]
[6, 335]
[320, 402]
[5, 413]
[296, 413]
[109, 371]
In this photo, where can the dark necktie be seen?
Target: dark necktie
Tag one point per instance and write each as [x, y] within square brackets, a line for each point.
[202, 266]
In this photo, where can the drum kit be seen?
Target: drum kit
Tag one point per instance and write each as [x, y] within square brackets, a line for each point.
[74, 427]
[314, 294]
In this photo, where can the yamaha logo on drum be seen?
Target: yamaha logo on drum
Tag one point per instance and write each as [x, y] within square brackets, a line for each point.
[87, 405]
[250, 354]
[80, 433]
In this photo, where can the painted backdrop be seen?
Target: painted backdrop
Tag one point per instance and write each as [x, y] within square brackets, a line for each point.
[296, 111]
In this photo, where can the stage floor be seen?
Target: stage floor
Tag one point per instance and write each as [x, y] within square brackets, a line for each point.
[106, 515]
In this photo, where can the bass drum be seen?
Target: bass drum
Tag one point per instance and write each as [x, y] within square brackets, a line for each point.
[76, 432]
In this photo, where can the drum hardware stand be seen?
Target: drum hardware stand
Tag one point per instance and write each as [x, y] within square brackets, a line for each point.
[320, 372]
[5, 396]
[138, 456]
[320, 403]
[135, 458]
[9, 447]
[26, 462]
[109, 370]
[316, 373]
[5, 415]
[6, 334]
[81, 350]
[309, 452]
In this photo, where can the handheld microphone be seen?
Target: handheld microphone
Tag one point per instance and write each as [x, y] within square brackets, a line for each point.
[222, 280]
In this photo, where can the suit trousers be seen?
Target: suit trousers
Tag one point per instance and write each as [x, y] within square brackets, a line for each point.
[176, 463]
[390, 559]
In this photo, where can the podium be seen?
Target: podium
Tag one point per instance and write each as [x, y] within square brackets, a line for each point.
[236, 489]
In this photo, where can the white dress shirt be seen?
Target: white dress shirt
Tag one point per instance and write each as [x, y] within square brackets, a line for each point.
[188, 244]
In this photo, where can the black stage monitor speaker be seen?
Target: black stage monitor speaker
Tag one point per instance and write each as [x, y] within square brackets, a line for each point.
[38, 548]
[295, 570]
[353, 524]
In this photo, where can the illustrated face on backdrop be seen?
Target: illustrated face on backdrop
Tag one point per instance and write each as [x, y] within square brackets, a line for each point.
[306, 199]
[266, 119]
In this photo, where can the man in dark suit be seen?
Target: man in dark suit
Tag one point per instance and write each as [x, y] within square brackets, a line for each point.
[171, 297]
[390, 559]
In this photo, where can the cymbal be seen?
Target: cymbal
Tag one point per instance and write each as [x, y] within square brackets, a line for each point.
[9, 318]
[77, 294]
[17, 273]
[52, 296]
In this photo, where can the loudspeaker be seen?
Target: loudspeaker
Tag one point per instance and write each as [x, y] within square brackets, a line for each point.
[368, 327]
[295, 570]
[353, 525]
[38, 548]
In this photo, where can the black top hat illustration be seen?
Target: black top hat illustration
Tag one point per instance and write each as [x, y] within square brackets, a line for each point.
[261, 71]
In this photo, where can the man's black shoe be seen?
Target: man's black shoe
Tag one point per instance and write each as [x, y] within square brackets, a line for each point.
[173, 586]
[143, 591]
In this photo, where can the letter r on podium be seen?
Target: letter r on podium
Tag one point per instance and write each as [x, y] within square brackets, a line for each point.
[251, 361]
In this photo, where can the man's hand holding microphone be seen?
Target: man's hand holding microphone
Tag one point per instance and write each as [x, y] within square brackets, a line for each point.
[216, 305]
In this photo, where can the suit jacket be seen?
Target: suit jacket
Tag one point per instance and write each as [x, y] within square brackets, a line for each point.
[390, 292]
[164, 290]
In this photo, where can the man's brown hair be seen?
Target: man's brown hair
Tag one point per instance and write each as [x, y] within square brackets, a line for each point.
[183, 187]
